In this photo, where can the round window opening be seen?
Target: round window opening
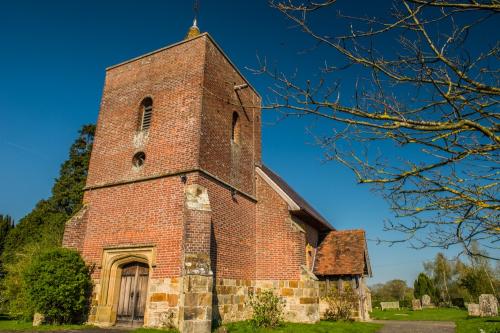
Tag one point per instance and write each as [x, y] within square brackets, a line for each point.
[139, 159]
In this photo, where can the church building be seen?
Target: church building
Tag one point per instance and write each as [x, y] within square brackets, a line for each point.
[181, 219]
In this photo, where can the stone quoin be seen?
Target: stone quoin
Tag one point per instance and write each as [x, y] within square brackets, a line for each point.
[181, 220]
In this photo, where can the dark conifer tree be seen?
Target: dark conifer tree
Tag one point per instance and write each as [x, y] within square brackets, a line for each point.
[45, 223]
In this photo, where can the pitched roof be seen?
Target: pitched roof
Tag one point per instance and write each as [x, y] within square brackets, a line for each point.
[305, 210]
[343, 253]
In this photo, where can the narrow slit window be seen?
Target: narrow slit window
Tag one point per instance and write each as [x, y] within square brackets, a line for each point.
[147, 113]
[235, 130]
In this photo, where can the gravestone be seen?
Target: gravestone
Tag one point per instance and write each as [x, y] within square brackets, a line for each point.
[473, 310]
[389, 305]
[488, 305]
[38, 319]
[426, 300]
[416, 305]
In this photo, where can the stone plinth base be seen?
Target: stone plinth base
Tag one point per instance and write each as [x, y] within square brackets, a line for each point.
[196, 304]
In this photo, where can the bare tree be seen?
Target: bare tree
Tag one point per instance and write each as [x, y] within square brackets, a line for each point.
[424, 87]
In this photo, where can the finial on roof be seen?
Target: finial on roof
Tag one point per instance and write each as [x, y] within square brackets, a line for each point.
[194, 30]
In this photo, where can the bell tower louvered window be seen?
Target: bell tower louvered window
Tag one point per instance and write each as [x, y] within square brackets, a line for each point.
[147, 113]
[235, 130]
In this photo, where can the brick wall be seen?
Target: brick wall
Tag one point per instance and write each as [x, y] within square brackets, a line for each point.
[74, 233]
[172, 78]
[279, 246]
[142, 213]
[233, 163]
[233, 232]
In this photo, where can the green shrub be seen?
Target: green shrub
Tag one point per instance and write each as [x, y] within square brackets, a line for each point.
[405, 303]
[458, 302]
[58, 285]
[341, 303]
[13, 294]
[267, 309]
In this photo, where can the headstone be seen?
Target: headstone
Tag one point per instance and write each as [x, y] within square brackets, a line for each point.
[473, 310]
[38, 319]
[488, 305]
[416, 305]
[426, 300]
[389, 305]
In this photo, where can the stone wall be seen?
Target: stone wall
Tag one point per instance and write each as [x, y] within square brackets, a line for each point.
[162, 307]
[301, 299]
[195, 312]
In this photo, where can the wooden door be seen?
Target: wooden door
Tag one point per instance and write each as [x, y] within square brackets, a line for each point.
[133, 292]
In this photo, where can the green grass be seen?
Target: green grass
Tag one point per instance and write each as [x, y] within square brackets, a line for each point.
[442, 314]
[240, 327]
[465, 324]
[472, 325]
[15, 325]
[321, 327]
[10, 325]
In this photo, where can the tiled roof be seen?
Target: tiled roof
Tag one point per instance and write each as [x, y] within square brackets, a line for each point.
[343, 253]
[301, 202]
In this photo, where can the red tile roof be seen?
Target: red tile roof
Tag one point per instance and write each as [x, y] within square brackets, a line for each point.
[343, 253]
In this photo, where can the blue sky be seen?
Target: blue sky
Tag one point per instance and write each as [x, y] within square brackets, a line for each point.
[52, 61]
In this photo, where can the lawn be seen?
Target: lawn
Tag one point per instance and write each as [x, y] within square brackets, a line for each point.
[321, 327]
[15, 325]
[465, 324]
[442, 314]
[473, 325]
[10, 325]
[240, 327]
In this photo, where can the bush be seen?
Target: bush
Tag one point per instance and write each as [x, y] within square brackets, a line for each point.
[58, 285]
[458, 302]
[341, 304]
[267, 309]
[405, 303]
[13, 294]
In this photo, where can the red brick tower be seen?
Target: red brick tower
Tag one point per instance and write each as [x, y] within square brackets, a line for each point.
[181, 220]
[172, 173]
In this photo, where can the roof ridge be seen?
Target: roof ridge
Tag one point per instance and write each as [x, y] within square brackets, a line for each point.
[296, 197]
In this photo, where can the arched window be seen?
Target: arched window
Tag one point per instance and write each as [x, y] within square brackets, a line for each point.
[147, 113]
[235, 130]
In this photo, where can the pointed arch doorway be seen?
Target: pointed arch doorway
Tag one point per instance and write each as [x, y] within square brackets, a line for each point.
[133, 293]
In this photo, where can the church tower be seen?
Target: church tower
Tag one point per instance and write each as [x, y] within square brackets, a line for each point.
[172, 174]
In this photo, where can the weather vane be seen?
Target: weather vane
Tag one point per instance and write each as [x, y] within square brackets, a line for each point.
[196, 7]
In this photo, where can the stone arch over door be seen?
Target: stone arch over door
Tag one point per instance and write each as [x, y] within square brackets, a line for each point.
[113, 260]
